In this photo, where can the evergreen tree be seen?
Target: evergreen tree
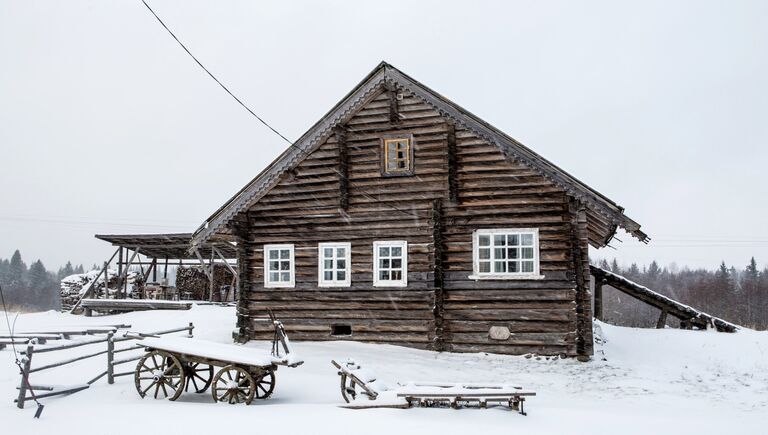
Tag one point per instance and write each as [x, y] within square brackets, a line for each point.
[751, 271]
[653, 271]
[615, 266]
[749, 288]
[4, 265]
[17, 273]
[79, 269]
[38, 284]
[66, 270]
[723, 276]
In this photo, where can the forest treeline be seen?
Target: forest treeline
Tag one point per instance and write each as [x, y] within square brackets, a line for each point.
[736, 295]
[32, 288]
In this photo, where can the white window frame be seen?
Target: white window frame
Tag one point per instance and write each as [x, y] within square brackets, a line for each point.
[535, 274]
[403, 282]
[291, 257]
[321, 281]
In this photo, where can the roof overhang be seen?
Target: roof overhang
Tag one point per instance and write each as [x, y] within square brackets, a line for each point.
[174, 246]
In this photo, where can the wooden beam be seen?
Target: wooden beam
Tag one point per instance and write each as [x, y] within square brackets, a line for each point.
[125, 273]
[394, 114]
[453, 178]
[598, 299]
[439, 249]
[341, 138]
[662, 320]
[202, 263]
[153, 267]
[226, 262]
[212, 275]
[119, 283]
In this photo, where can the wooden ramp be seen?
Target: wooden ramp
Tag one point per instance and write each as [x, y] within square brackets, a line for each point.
[689, 317]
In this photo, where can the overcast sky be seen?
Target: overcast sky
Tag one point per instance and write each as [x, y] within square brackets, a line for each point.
[107, 126]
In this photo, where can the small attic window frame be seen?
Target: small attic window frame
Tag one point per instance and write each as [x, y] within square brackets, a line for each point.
[386, 141]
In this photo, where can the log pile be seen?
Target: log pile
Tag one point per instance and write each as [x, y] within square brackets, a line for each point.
[72, 287]
[193, 282]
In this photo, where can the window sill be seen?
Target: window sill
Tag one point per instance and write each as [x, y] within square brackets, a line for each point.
[277, 285]
[528, 276]
[334, 284]
[390, 284]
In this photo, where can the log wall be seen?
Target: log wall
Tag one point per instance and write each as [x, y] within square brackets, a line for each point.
[460, 183]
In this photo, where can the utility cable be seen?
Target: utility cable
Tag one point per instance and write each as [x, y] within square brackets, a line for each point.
[239, 101]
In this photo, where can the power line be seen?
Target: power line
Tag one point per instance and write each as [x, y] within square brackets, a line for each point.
[213, 76]
[302, 152]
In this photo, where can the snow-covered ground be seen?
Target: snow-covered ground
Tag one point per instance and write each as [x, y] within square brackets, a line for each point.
[639, 381]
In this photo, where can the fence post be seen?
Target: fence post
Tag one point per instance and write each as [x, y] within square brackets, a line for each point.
[110, 357]
[190, 328]
[25, 373]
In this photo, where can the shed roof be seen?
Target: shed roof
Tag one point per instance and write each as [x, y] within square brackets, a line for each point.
[604, 216]
[173, 245]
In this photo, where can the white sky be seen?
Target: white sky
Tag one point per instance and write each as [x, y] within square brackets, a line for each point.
[661, 106]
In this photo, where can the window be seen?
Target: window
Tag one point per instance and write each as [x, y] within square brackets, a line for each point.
[278, 266]
[397, 155]
[333, 264]
[506, 254]
[390, 264]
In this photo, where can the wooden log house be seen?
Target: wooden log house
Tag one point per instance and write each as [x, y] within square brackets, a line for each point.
[402, 218]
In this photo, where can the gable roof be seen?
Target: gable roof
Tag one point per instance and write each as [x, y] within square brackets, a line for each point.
[599, 207]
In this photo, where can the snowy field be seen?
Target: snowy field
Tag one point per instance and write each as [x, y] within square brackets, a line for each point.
[639, 381]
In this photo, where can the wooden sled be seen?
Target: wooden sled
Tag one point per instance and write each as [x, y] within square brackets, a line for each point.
[357, 381]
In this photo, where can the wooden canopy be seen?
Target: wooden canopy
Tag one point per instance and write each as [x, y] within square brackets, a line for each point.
[603, 215]
[175, 246]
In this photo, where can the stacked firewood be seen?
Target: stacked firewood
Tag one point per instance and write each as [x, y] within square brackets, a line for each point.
[192, 282]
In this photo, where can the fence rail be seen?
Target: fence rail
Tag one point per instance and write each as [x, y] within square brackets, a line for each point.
[25, 385]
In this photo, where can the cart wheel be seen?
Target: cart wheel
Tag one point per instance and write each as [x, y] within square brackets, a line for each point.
[265, 384]
[233, 384]
[159, 374]
[198, 375]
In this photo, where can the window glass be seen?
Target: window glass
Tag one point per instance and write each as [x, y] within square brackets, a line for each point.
[390, 263]
[506, 252]
[278, 265]
[397, 155]
[333, 264]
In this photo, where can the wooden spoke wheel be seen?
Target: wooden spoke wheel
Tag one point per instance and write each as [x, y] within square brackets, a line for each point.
[265, 384]
[198, 375]
[160, 375]
[233, 384]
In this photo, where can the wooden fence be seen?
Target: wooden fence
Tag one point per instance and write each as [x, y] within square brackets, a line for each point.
[111, 350]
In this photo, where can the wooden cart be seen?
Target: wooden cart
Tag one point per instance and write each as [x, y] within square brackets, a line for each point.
[173, 365]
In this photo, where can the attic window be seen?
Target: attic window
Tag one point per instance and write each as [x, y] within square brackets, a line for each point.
[397, 154]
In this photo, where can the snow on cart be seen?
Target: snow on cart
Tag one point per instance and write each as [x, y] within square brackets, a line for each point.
[174, 365]
[423, 394]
